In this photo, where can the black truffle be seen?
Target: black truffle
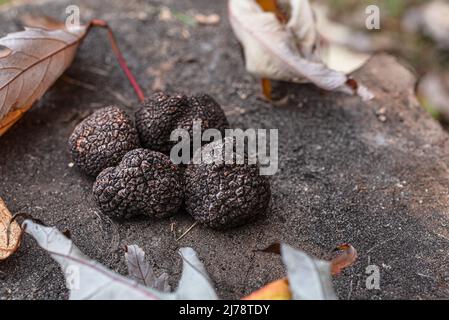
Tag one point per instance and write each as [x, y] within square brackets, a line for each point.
[158, 116]
[102, 139]
[225, 195]
[144, 183]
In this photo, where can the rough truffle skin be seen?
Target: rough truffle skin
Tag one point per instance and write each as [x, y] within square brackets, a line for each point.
[158, 116]
[144, 183]
[102, 139]
[224, 196]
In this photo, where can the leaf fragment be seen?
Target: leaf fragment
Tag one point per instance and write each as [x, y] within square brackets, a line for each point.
[42, 22]
[266, 88]
[36, 59]
[9, 237]
[141, 271]
[195, 284]
[346, 257]
[273, 6]
[309, 278]
[285, 51]
[276, 290]
[87, 279]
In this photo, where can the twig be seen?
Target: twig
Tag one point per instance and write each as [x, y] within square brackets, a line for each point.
[425, 275]
[96, 70]
[187, 231]
[172, 229]
[350, 291]
[78, 83]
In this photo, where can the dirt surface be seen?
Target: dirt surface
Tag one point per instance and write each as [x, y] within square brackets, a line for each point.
[372, 174]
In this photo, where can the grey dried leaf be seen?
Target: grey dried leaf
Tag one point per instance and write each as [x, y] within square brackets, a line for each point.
[309, 278]
[287, 52]
[195, 284]
[87, 279]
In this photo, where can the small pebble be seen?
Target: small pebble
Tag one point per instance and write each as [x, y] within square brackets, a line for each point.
[382, 118]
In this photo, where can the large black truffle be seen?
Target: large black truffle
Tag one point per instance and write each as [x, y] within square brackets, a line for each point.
[225, 195]
[158, 116]
[144, 183]
[102, 139]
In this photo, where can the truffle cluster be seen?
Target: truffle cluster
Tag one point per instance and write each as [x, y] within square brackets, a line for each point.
[135, 181]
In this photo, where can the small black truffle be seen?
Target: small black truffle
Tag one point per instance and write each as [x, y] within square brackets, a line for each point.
[102, 139]
[158, 116]
[144, 183]
[224, 195]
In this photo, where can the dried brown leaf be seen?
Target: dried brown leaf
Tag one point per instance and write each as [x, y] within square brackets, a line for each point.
[42, 22]
[36, 59]
[4, 52]
[346, 256]
[266, 88]
[273, 6]
[9, 241]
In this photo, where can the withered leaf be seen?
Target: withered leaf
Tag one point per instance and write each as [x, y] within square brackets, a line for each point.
[87, 279]
[9, 241]
[36, 58]
[345, 255]
[41, 22]
[308, 278]
[345, 258]
[276, 290]
[287, 51]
